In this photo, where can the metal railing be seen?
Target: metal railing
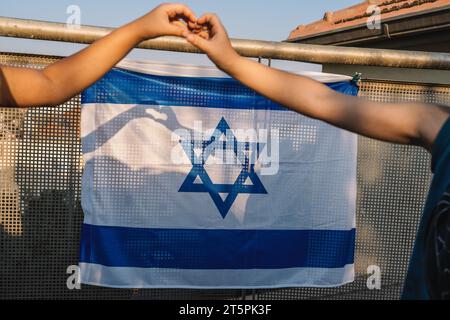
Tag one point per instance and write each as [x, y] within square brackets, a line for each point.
[42, 30]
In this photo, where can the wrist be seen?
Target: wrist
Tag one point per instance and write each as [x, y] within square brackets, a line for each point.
[138, 32]
[231, 63]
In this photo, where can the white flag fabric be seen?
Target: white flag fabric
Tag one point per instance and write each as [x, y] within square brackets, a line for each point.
[192, 180]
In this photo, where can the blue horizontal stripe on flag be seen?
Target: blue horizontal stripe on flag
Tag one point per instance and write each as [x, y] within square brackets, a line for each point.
[129, 87]
[216, 249]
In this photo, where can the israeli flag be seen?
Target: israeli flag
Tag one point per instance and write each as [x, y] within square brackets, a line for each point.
[192, 180]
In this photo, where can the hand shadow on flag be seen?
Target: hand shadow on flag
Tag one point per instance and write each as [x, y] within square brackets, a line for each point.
[106, 131]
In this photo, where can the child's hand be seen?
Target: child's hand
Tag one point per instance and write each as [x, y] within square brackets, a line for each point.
[210, 36]
[165, 20]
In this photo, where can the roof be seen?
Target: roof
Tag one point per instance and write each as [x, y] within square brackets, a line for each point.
[357, 15]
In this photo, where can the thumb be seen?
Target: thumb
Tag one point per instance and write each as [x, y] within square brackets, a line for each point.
[197, 41]
[175, 29]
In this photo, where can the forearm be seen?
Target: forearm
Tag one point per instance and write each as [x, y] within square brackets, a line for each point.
[71, 75]
[404, 123]
[300, 94]
[24, 87]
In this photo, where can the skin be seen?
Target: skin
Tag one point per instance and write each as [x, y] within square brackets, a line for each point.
[404, 123]
[57, 83]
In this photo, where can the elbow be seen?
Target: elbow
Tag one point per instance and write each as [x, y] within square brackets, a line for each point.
[53, 97]
[55, 101]
[430, 124]
[45, 100]
[54, 94]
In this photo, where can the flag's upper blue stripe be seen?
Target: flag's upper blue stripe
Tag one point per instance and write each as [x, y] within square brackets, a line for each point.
[128, 87]
[216, 249]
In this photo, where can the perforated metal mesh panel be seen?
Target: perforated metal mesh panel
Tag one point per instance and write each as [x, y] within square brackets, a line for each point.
[41, 216]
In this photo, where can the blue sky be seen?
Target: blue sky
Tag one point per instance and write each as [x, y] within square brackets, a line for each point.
[252, 19]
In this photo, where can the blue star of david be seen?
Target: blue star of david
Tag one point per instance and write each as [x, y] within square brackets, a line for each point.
[198, 172]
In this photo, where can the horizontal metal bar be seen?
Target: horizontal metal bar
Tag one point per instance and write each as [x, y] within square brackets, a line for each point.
[42, 30]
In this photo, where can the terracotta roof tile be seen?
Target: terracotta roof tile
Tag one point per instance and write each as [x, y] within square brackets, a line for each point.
[357, 15]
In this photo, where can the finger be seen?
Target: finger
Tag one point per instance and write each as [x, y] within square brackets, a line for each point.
[182, 19]
[194, 26]
[209, 18]
[197, 41]
[213, 22]
[183, 11]
[178, 28]
[204, 34]
[180, 25]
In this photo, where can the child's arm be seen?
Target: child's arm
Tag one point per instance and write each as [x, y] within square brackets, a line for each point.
[406, 123]
[21, 87]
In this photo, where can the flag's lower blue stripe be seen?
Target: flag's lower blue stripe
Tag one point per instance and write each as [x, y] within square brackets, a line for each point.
[128, 87]
[216, 249]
